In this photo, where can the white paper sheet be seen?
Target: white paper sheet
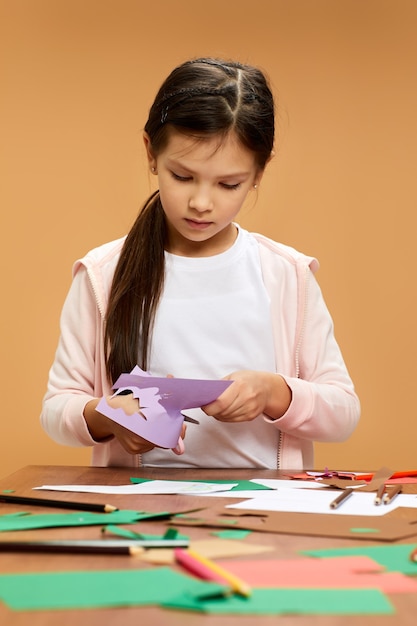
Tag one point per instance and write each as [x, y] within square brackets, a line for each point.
[318, 501]
[151, 487]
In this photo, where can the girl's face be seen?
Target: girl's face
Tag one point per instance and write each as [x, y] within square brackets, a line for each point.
[202, 185]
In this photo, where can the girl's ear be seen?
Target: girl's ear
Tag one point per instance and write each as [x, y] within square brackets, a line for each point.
[149, 152]
[258, 178]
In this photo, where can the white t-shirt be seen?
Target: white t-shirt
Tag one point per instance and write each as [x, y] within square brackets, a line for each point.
[213, 319]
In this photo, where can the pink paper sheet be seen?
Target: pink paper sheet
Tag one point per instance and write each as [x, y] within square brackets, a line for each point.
[351, 572]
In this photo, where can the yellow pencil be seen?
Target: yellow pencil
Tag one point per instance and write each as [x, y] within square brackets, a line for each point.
[204, 568]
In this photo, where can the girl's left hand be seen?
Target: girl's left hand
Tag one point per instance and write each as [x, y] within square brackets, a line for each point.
[251, 394]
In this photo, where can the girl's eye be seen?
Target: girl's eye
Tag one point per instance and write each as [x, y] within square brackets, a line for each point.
[183, 179]
[231, 187]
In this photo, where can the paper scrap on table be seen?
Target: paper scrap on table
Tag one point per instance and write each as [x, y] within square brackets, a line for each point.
[210, 548]
[239, 484]
[346, 572]
[153, 487]
[161, 400]
[164, 587]
[394, 558]
[55, 520]
[290, 602]
[99, 589]
[234, 489]
[318, 501]
[242, 489]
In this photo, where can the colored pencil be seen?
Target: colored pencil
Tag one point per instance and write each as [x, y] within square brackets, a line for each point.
[208, 570]
[346, 493]
[94, 546]
[402, 474]
[392, 493]
[57, 504]
[379, 494]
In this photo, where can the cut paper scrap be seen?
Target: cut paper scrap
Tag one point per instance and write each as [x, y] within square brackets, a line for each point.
[227, 548]
[238, 484]
[56, 520]
[290, 602]
[355, 572]
[161, 400]
[209, 548]
[165, 587]
[394, 558]
[231, 534]
[157, 556]
[170, 533]
[321, 525]
[379, 478]
[213, 548]
[99, 589]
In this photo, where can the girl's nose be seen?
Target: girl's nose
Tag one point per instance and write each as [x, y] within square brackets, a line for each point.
[200, 200]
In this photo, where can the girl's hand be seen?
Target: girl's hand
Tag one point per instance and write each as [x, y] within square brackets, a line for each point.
[251, 394]
[103, 428]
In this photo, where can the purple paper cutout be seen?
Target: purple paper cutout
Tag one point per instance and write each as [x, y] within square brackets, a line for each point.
[159, 419]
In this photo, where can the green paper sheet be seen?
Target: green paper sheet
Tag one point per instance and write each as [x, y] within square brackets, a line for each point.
[291, 602]
[99, 589]
[395, 558]
[242, 485]
[24, 521]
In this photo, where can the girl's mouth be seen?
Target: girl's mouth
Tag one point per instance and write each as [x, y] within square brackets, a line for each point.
[197, 225]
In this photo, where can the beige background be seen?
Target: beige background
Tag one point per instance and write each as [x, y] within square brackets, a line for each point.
[77, 78]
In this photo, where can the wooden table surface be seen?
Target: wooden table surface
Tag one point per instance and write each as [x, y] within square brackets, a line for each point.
[285, 546]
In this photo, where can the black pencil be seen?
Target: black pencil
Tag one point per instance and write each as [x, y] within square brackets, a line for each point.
[57, 504]
[94, 546]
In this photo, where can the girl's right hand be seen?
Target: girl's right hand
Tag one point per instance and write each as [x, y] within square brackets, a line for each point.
[103, 428]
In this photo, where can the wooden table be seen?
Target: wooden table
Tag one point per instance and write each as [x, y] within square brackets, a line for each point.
[286, 546]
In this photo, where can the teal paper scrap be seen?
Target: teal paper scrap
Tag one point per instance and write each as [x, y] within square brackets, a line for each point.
[100, 589]
[394, 558]
[290, 602]
[169, 589]
[242, 485]
[27, 521]
[232, 534]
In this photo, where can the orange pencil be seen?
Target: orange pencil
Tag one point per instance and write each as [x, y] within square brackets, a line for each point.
[402, 474]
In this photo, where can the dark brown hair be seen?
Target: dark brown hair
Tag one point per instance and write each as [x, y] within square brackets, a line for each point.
[202, 98]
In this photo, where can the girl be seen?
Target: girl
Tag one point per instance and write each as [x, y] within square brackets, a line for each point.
[189, 293]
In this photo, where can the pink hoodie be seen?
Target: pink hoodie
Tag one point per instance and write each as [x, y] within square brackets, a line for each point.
[324, 404]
